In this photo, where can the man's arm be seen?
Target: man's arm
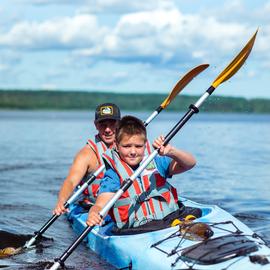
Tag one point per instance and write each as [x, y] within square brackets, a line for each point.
[85, 161]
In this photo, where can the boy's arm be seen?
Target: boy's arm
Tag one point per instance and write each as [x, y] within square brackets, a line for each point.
[182, 161]
[93, 216]
[108, 186]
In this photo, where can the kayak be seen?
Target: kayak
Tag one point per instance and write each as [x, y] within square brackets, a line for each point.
[231, 244]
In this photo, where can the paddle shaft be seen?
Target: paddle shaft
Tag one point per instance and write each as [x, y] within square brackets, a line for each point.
[176, 90]
[153, 115]
[227, 73]
[66, 205]
[60, 261]
[80, 190]
[128, 182]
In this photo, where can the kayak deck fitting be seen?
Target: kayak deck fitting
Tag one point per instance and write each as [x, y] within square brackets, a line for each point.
[232, 246]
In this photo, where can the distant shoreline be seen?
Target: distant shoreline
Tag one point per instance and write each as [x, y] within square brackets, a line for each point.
[73, 100]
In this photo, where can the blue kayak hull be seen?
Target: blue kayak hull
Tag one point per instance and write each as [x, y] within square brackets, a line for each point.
[164, 249]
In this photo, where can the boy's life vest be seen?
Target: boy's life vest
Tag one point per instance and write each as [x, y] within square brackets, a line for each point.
[99, 148]
[150, 197]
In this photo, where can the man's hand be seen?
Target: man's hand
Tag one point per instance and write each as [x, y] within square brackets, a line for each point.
[59, 208]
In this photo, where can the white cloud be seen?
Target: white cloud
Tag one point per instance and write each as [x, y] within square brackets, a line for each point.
[160, 37]
[61, 33]
[153, 37]
[167, 36]
[123, 6]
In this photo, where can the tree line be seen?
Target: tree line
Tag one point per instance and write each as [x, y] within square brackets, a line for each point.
[73, 100]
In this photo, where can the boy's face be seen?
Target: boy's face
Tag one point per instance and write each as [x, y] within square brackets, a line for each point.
[131, 149]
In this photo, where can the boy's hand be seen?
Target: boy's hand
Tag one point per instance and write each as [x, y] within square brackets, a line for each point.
[94, 218]
[163, 150]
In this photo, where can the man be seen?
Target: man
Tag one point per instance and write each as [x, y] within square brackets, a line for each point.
[88, 159]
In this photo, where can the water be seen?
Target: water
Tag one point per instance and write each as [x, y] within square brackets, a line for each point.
[37, 148]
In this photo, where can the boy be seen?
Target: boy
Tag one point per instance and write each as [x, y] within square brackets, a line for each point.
[150, 197]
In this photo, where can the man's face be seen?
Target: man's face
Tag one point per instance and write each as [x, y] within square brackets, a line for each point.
[131, 149]
[106, 131]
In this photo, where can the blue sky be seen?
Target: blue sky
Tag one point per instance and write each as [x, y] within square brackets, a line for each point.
[132, 46]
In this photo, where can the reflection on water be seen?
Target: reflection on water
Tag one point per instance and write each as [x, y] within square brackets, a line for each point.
[37, 148]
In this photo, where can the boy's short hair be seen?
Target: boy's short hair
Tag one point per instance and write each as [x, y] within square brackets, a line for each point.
[130, 125]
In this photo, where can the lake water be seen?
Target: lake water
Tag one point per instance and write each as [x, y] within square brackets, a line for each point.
[37, 148]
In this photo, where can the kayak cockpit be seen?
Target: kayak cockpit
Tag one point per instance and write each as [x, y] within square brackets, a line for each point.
[190, 209]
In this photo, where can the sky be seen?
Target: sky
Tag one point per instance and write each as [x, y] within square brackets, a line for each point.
[142, 46]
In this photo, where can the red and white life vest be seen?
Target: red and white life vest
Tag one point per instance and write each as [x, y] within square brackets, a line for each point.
[150, 196]
[99, 147]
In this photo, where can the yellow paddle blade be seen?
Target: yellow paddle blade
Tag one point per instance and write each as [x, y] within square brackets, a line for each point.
[236, 64]
[9, 251]
[182, 83]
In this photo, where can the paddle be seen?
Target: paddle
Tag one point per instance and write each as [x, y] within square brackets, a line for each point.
[11, 243]
[181, 84]
[175, 91]
[228, 72]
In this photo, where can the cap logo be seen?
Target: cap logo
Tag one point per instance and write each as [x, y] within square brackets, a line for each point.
[106, 110]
